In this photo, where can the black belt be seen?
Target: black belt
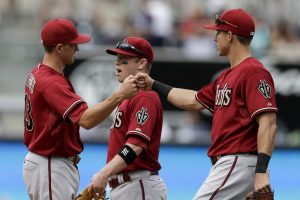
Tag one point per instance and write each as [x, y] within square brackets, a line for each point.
[215, 159]
[74, 159]
[114, 182]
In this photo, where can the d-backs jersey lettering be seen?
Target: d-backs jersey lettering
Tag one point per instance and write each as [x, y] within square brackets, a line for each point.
[236, 97]
[138, 121]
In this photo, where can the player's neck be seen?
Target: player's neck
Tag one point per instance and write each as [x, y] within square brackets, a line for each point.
[238, 55]
[53, 62]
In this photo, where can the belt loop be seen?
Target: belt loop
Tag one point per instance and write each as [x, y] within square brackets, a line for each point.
[120, 179]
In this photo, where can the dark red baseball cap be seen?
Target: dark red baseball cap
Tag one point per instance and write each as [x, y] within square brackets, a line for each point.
[134, 46]
[62, 31]
[237, 21]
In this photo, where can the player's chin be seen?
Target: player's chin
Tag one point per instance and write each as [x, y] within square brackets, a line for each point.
[120, 79]
[220, 53]
[70, 61]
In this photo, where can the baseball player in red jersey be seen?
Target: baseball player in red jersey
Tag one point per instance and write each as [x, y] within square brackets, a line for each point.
[132, 159]
[53, 114]
[242, 100]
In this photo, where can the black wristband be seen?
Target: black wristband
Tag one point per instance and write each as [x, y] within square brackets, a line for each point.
[262, 163]
[161, 88]
[128, 154]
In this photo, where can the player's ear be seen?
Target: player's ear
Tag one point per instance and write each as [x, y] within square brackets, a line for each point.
[142, 63]
[229, 36]
[59, 48]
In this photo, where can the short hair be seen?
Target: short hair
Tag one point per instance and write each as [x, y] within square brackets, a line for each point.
[244, 40]
[49, 49]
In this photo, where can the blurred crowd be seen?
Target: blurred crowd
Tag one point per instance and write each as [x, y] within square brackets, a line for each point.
[170, 25]
[166, 23]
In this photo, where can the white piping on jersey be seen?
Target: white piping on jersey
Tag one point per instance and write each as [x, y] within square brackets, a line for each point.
[209, 108]
[267, 108]
[75, 103]
[139, 133]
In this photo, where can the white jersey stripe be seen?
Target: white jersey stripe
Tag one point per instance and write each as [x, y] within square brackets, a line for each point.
[262, 109]
[74, 104]
[206, 106]
[139, 133]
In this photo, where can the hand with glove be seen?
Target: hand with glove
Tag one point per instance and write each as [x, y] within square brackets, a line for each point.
[86, 195]
[261, 194]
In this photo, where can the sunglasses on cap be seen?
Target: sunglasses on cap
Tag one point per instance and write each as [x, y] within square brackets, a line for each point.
[219, 21]
[126, 46]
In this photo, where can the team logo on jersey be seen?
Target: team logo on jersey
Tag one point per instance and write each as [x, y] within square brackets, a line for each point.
[30, 83]
[264, 89]
[223, 95]
[142, 116]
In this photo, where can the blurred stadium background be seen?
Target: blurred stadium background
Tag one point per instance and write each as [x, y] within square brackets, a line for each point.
[185, 57]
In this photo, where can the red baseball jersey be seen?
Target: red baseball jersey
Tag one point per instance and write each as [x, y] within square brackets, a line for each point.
[52, 110]
[138, 121]
[235, 98]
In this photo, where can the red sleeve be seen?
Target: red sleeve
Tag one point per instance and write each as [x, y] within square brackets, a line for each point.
[206, 96]
[61, 97]
[137, 141]
[142, 120]
[259, 93]
[77, 112]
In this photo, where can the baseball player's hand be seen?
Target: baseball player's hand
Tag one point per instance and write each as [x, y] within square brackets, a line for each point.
[144, 81]
[262, 189]
[97, 185]
[262, 182]
[84, 195]
[128, 88]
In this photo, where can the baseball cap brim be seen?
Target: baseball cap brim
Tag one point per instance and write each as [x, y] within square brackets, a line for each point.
[80, 39]
[211, 26]
[221, 27]
[115, 51]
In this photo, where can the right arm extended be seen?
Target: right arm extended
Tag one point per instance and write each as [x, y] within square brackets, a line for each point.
[98, 113]
[181, 98]
[184, 99]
